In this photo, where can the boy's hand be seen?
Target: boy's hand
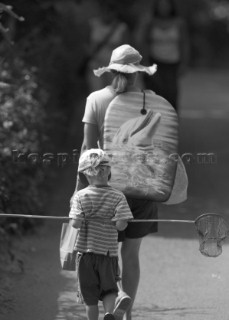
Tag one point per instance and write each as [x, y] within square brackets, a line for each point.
[76, 223]
[121, 225]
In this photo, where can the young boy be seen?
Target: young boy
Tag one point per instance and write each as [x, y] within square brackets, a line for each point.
[99, 211]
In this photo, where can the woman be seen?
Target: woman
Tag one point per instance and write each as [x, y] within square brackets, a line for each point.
[124, 65]
[167, 42]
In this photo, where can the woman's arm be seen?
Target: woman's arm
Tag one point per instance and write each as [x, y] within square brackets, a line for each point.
[91, 136]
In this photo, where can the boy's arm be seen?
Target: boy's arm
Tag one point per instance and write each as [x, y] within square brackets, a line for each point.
[76, 213]
[121, 225]
[122, 214]
[76, 223]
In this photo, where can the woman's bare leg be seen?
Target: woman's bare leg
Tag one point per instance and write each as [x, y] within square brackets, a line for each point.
[130, 269]
[109, 302]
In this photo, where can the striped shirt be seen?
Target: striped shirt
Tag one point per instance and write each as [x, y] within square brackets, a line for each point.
[99, 207]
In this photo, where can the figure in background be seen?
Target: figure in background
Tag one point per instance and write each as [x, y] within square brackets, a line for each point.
[166, 43]
[107, 33]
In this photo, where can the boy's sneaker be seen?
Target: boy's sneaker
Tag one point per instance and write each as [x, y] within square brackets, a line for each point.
[123, 302]
[109, 316]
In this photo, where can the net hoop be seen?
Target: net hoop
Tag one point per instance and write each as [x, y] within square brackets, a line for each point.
[212, 230]
[209, 214]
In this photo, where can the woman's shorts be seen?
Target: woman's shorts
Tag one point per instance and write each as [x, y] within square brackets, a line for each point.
[141, 209]
[98, 276]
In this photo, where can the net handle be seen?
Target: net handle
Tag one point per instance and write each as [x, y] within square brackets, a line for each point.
[32, 216]
[11, 215]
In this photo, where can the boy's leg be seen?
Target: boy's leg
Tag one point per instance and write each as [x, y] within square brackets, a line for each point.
[108, 271]
[92, 312]
[130, 269]
[122, 302]
[89, 285]
[109, 302]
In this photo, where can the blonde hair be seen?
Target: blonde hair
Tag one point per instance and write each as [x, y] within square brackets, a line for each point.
[121, 81]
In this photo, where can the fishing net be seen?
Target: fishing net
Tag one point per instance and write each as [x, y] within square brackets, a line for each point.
[212, 230]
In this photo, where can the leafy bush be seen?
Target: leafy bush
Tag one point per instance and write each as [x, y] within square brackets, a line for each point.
[22, 128]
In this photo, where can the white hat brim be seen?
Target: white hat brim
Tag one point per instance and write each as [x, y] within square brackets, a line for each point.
[126, 68]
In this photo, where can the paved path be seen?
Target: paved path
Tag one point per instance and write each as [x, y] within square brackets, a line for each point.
[177, 282]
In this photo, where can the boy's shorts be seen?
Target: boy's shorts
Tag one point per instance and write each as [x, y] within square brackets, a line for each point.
[141, 209]
[98, 276]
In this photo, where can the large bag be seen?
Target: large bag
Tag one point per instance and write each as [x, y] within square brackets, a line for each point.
[140, 134]
[180, 187]
[67, 244]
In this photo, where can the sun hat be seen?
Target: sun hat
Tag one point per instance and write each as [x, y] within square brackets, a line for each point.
[126, 59]
[93, 158]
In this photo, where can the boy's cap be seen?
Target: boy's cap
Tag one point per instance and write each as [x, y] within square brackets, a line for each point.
[93, 158]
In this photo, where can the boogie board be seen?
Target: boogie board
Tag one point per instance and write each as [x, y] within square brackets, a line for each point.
[140, 136]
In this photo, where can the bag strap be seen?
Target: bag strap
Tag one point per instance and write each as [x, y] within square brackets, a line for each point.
[143, 110]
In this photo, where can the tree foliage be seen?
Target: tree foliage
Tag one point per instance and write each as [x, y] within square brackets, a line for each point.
[22, 127]
[23, 121]
[9, 10]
